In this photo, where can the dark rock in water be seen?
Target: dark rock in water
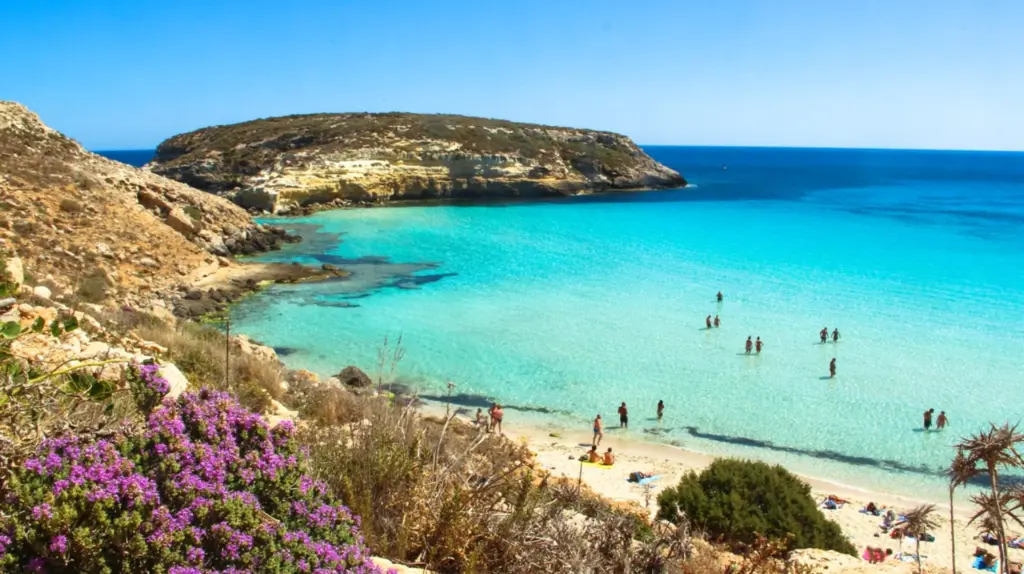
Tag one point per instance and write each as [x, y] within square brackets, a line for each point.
[352, 376]
[329, 267]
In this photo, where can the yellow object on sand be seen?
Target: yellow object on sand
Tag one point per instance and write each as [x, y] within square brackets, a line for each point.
[599, 465]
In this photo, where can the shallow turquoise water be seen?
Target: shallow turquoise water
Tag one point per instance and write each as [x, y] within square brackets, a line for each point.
[575, 306]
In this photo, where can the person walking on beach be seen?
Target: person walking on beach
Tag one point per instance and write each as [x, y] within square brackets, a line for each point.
[824, 335]
[942, 421]
[717, 322]
[928, 419]
[598, 430]
[623, 416]
[835, 335]
[757, 345]
[719, 297]
[749, 345]
[661, 410]
[832, 368]
[708, 321]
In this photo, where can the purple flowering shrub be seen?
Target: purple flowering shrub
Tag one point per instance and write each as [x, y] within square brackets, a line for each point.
[207, 487]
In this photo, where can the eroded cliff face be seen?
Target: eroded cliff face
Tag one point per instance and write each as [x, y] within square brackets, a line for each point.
[84, 225]
[279, 164]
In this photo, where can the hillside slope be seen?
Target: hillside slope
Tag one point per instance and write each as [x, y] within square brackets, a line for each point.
[81, 222]
[278, 164]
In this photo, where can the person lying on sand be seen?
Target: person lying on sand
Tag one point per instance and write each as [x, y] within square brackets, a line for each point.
[609, 458]
[836, 499]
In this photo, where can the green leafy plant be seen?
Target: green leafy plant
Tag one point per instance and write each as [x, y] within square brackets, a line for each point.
[735, 501]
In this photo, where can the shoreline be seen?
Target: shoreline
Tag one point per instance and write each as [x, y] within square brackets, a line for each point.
[557, 454]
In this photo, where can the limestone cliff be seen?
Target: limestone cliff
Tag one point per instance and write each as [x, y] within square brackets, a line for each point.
[278, 164]
[85, 225]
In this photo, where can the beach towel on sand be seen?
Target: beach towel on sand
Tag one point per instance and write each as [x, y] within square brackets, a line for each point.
[598, 465]
[644, 480]
[979, 564]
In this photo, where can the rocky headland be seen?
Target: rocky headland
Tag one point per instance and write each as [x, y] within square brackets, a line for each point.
[287, 164]
[77, 226]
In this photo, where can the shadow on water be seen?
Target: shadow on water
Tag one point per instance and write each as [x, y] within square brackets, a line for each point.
[480, 401]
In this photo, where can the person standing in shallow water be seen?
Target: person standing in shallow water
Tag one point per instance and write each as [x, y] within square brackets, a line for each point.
[757, 345]
[942, 421]
[598, 430]
[719, 297]
[824, 335]
[832, 368]
[661, 410]
[749, 345]
[835, 335]
[623, 416]
[708, 321]
[717, 322]
[928, 419]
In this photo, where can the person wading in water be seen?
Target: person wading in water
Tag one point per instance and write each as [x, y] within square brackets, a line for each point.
[832, 368]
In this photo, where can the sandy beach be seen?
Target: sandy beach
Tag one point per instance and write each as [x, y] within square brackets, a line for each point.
[558, 452]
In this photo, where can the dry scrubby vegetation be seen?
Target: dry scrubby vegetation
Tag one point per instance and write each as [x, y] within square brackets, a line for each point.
[340, 132]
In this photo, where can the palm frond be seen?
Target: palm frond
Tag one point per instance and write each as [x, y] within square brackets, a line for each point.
[961, 470]
[920, 519]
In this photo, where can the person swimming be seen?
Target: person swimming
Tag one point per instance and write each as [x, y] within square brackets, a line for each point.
[824, 335]
[749, 345]
[717, 322]
[835, 335]
[708, 321]
[832, 368]
[720, 297]
[757, 345]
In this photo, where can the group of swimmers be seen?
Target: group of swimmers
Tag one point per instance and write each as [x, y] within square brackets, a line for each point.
[754, 345]
[940, 422]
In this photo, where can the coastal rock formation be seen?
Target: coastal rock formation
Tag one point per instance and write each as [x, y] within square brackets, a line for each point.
[285, 163]
[86, 226]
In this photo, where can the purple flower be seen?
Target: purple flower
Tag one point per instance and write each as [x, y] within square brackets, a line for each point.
[59, 544]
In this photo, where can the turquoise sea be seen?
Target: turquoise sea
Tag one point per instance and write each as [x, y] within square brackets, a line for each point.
[564, 309]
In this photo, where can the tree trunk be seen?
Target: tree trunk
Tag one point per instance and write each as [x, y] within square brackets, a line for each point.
[916, 550]
[952, 530]
[994, 480]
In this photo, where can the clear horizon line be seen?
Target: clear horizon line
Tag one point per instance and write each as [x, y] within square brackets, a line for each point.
[780, 147]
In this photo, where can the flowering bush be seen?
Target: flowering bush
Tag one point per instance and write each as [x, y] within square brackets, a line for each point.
[207, 488]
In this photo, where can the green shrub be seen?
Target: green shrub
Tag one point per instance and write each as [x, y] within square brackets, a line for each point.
[735, 500]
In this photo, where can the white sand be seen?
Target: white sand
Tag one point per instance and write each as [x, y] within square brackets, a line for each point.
[559, 455]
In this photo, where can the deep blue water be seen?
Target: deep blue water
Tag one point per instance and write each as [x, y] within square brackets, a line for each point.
[136, 157]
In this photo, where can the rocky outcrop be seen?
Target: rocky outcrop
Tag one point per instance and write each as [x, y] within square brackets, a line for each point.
[282, 164]
[89, 227]
[354, 377]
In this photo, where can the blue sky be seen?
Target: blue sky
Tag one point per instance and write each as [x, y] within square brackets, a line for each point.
[917, 74]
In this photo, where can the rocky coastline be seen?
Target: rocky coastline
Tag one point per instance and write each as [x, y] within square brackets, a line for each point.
[289, 165]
